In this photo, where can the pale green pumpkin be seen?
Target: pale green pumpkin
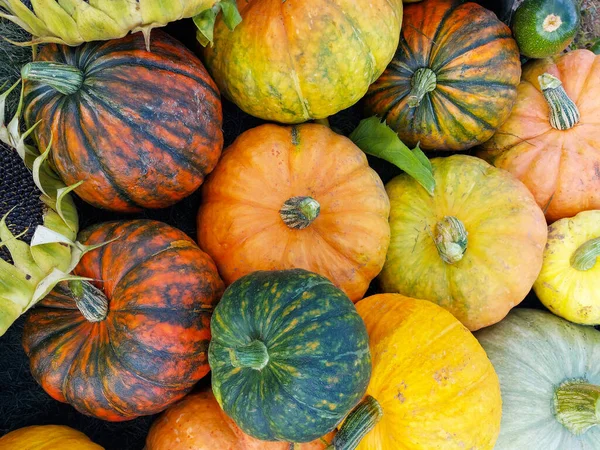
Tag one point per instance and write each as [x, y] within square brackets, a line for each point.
[73, 22]
[549, 371]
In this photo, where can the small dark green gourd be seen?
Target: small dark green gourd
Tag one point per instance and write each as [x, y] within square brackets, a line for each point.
[289, 355]
[545, 28]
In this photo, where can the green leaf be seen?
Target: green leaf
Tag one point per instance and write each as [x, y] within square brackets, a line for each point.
[231, 15]
[422, 157]
[205, 22]
[377, 139]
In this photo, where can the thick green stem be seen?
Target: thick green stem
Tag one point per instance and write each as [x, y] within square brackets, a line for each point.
[359, 422]
[423, 81]
[586, 255]
[299, 212]
[564, 113]
[254, 356]
[577, 406]
[450, 237]
[65, 78]
[91, 301]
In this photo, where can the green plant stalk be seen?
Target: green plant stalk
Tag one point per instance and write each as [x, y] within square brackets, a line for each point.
[359, 422]
[53, 252]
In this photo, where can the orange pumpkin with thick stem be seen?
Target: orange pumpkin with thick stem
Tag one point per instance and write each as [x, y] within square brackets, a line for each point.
[198, 423]
[296, 197]
[551, 140]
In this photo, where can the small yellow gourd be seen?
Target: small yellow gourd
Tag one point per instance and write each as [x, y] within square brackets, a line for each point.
[569, 283]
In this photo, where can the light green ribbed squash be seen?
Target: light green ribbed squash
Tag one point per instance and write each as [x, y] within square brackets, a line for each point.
[73, 22]
[549, 371]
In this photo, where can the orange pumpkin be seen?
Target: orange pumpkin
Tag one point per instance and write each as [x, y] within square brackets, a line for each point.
[296, 197]
[199, 423]
[551, 140]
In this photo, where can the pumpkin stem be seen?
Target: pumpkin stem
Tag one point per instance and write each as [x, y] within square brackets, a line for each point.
[423, 81]
[577, 406]
[299, 212]
[90, 300]
[65, 78]
[585, 257]
[359, 422]
[564, 113]
[450, 238]
[254, 355]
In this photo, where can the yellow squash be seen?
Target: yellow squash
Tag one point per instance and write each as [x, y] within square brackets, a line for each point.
[474, 247]
[291, 61]
[569, 283]
[432, 385]
[47, 437]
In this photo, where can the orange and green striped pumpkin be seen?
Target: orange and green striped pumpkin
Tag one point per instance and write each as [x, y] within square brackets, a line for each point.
[136, 340]
[453, 80]
[141, 129]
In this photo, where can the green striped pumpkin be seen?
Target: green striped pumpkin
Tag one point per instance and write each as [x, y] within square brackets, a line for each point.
[289, 355]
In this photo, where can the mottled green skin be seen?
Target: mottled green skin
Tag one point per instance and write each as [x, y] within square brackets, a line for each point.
[533, 40]
[319, 361]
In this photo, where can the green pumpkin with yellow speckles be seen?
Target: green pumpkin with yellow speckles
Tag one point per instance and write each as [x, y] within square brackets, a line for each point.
[295, 60]
[289, 355]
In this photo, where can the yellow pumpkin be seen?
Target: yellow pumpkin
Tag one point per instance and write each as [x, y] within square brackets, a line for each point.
[432, 385]
[474, 247]
[47, 437]
[291, 61]
[569, 283]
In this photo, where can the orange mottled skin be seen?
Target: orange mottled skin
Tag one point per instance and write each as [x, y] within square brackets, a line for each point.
[298, 60]
[151, 348]
[434, 382]
[560, 168]
[239, 223]
[198, 423]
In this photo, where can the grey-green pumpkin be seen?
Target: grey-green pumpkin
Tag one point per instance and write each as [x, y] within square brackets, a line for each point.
[549, 371]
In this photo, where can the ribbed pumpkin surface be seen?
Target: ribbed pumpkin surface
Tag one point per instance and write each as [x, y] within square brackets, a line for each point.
[152, 347]
[47, 437]
[239, 221]
[142, 131]
[476, 63]
[318, 355]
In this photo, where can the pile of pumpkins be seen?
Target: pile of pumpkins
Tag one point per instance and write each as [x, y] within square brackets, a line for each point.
[294, 225]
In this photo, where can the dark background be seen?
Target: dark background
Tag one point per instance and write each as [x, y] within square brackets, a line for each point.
[23, 402]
